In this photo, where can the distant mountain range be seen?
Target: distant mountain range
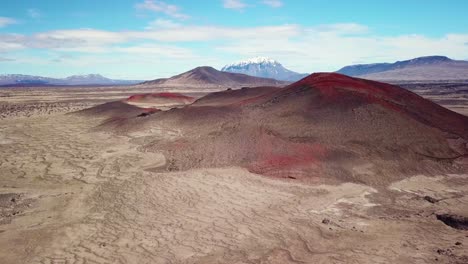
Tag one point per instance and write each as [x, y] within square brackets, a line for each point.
[261, 71]
[265, 68]
[210, 77]
[89, 79]
[422, 68]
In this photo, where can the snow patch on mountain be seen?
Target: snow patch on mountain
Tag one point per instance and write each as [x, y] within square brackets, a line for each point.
[263, 67]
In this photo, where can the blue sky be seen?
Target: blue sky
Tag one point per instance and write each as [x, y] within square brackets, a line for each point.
[147, 39]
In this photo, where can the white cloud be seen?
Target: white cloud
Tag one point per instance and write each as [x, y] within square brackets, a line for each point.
[10, 46]
[318, 51]
[234, 4]
[162, 7]
[5, 21]
[162, 23]
[95, 40]
[273, 3]
[80, 37]
[159, 50]
[143, 50]
[306, 49]
[216, 33]
[34, 13]
[6, 59]
[341, 28]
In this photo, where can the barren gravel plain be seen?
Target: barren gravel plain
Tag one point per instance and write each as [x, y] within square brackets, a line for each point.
[72, 194]
[451, 94]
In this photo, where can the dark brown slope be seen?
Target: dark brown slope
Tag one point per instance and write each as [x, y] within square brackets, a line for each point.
[234, 96]
[210, 77]
[324, 128]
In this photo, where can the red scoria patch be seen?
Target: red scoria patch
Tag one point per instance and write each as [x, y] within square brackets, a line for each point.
[337, 87]
[135, 97]
[329, 82]
[299, 154]
[277, 157]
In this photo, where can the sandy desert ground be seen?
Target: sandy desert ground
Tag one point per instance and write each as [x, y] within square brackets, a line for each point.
[71, 194]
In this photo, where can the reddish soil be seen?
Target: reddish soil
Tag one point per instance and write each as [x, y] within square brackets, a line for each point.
[280, 158]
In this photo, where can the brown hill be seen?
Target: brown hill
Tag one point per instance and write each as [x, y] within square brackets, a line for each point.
[325, 128]
[159, 100]
[210, 77]
[446, 71]
[427, 68]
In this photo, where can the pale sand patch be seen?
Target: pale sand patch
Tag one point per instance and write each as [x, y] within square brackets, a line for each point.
[94, 200]
[160, 106]
[437, 186]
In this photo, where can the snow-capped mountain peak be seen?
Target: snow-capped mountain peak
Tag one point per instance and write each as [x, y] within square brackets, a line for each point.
[86, 77]
[255, 60]
[263, 67]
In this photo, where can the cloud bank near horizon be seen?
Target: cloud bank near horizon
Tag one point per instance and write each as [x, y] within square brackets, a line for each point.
[181, 44]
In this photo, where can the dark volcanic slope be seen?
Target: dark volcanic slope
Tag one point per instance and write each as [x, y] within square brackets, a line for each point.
[234, 96]
[340, 91]
[210, 77]
[423, 68]
[325, 128]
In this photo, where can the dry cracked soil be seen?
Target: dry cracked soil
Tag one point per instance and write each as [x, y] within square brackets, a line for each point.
[70, 194]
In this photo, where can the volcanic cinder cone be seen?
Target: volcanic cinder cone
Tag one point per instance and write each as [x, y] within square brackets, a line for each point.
[326, 127]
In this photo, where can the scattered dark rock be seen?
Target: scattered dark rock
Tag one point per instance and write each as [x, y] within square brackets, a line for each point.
[462, 260]
[144, 114]
[7, 198]
[12, 205]
[453, 258]
[445, 252]
[171, 165]
[291, 177]
[430, 199]
[455, 221]
[458, 243]
[326, 221]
